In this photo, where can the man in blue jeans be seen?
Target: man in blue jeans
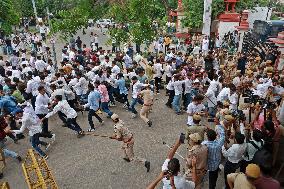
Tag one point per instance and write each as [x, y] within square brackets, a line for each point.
[94, 99]
[137, 87]
[123, 92]
[101, 87]
[214, 145]
[177, 84]
[31, 122]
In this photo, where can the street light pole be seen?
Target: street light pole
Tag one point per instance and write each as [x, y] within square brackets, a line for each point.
[34, 7]
[52, 40]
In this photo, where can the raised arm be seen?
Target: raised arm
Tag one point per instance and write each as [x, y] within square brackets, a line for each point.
[156, 181]
[172, 152]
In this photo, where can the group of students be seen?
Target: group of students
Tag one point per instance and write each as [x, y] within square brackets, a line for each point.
[211, 84]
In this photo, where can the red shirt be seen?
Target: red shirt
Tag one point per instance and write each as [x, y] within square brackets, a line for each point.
[267, 183]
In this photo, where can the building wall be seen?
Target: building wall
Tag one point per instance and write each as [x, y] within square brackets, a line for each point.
[260, 13]
[225, 27]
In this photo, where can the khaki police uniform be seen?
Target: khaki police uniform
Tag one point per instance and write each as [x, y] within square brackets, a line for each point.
[148, 97]
[121, 132]
[196, 128]
[200, 152]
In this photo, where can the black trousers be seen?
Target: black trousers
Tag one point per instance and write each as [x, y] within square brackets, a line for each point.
[171, 97]
[213, 176]
[228, 169]
[45, 132]
[14, 127]
[90, 118]
[71, 123]
[168, 79]
[62, 117]
[123, 98]
[33, 100]
[72, 103]
[158, 81]
[243, 165]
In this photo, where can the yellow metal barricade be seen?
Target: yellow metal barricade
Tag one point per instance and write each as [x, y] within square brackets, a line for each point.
[37, 173]
[4, 185]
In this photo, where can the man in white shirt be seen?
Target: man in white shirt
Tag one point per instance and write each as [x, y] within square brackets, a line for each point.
[205, 45]
[196, 50]
[188, 88]
[71, 55]
[16, 72]
[158, 75]
[42, 31]
[31, 122]
[169, 71]
[25, 70]
[137, 87]
[195, 107]
[171, 93]
[253, 146]
[234, 155]
[211, 101]
[223, 95]
[215, 85]
[177, 83]
[218, 42]
[115, 69]
[41, 109]
[32, 86]
[233, 98]
[81, 87]
[237, 78]
[170, 172]
[70, 113]
[40, 65]
[96, 41]
[138, 58]
[127, 60]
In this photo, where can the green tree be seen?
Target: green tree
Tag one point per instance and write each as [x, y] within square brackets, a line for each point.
[140, 16]
[194, 10]
[8, 15]
[75, 16]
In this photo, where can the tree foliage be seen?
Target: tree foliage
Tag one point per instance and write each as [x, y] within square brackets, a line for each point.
[194, 9]
[139, 15]
[68, 22]
[8, 15]
[70, 15]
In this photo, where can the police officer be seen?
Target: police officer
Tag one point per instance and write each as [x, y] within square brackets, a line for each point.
[121, 133]
[196, 127]
[148, 97]
[199, 151]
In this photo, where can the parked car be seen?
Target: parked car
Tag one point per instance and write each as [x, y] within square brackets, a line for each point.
[105, 23]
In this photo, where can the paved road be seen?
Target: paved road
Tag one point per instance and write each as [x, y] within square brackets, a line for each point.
[93, 162]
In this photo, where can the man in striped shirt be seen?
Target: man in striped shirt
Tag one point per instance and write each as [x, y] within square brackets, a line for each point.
[214, 146]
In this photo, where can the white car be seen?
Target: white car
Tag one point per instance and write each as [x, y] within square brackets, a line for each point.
[105, 23]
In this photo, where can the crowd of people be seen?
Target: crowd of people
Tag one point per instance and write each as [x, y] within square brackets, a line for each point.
[239, 94]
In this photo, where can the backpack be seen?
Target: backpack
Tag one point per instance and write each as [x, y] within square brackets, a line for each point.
[255, 146]
[262, 156]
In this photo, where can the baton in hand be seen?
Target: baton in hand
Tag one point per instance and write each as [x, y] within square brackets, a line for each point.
[164, 143]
